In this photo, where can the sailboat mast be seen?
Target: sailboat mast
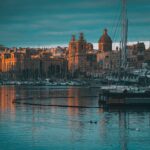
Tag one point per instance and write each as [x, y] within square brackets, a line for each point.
[124, 35]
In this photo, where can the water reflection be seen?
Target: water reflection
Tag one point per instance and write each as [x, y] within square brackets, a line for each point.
[123, 130]
[44, 127]
[7, 94]
[72, 102]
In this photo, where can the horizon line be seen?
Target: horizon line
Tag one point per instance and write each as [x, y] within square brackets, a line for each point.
[95, 45]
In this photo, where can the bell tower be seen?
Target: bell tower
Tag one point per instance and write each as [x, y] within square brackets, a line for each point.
[77, 54]
[71, 54]
[80, 60]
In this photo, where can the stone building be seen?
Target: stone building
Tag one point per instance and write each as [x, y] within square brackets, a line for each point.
[7, 64]
[31, 65]
[104, 51]
[77, 54]
[84, 59]
[136, 54]
[7, 61]
[79, 58]
[105, 42]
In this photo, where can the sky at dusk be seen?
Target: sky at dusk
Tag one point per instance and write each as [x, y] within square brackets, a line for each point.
[52, 22]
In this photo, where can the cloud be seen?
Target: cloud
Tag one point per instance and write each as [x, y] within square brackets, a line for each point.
[43, 21]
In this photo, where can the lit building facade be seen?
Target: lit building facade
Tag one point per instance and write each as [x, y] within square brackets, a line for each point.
[104, 51]
[105, 42]
[31, 65]
[77, 54]
[78, 58]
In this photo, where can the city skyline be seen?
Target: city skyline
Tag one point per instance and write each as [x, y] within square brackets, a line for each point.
[48, 23]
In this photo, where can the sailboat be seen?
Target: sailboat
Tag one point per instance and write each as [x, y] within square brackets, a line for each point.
[120, 94]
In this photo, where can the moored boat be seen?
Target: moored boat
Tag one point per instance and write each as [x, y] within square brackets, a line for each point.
[124, 96]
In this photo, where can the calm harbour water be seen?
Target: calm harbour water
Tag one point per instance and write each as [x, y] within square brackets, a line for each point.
[29, 127]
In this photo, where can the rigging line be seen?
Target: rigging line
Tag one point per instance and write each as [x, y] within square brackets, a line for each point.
[115, 18]
[114, 24]
[117, 38]
[117, 27]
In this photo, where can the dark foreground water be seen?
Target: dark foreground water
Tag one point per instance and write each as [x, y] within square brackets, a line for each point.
[30, 127]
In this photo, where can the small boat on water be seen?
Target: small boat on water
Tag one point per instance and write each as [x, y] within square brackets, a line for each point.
[124, 96]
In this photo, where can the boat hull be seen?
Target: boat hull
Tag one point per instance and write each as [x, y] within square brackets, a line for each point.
[124, 99]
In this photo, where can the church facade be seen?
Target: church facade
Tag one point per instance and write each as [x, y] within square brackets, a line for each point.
[84, 59]
[77, 54]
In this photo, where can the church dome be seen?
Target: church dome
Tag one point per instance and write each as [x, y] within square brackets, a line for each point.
[105, 38]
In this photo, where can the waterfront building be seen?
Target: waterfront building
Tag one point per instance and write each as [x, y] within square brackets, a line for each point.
[31, 64]
[136, 54]
[147, 58]
[105, 42]
[82, 58]
[78, 59]
[77, 55]
[7, 64]
[104, 51]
